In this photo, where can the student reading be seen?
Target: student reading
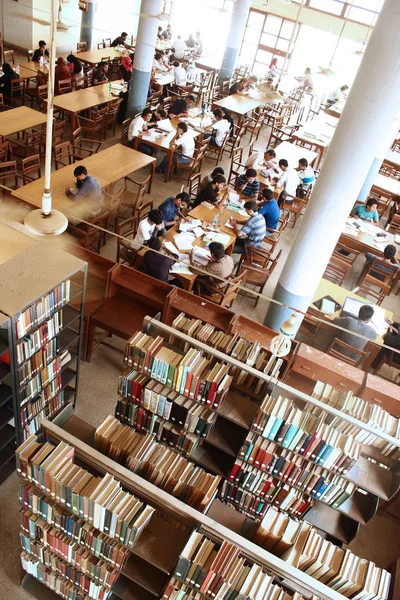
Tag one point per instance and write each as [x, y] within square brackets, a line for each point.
[211, 192]
[358, 325]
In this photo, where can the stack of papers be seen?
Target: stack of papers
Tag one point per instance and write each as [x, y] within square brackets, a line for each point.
[201, 255]
[234, 198]
[198, 231]
[207, 205]
[117, 86]
[230, 226]
[184, 241]
[171, 247]
[190, 225]
[180, 268]
[222, 238]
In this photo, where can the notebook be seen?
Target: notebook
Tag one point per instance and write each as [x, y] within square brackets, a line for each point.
[321, 304]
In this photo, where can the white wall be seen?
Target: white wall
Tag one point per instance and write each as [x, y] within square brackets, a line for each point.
[17, 23]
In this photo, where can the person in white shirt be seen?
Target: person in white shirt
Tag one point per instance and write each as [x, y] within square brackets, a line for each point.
[338, 95]
[220, 129]
[289, 181]
[179, 48]
[180, 75]
[152, 226]
[306, 80]
[158, 64]
[139, 127]
[183, 140]
[268, 164]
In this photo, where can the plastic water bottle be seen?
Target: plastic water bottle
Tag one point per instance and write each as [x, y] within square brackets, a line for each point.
[17, 69]
[118, 48]
[216, 219]
[109, 88]
[203, 112]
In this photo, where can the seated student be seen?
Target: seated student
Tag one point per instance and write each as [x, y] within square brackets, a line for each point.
[139, 127]
[392, 339]
[5, 80]
[247, 184]
[253, 230]
[87, 191]
[367, 211]
[160, 120]
[160, 35]
[268, 162]
[220, 265]
[167, 33]
[61, 72]
[220, 129]
[158, 65]
[121, 41]
[359, 325]
[100, 74]
[179, 48]
[338, 95]
[75, 66]
[240, 87]
[156, 264]
[389, 257]
[171, 208]
[394, 209]
[211, 192]
[180, 106]
[228, 117]
[151, 226]
[190, 43]
[126, 67]
[209, 178]
[307, 176]
[269, 209]
[289, 181]
[180, 74]
[182, 141]
[41, 54]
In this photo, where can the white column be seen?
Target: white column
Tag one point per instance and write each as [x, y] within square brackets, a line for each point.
[144, 55]
[87, 22]
[367, 121]
[235, 37]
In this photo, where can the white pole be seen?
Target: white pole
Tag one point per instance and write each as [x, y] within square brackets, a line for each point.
[46, 198]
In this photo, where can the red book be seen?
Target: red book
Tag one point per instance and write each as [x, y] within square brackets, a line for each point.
[265, 489]
[259, 458]
[308, 446]
[140, 418]
[211, 393]
[234, 471]
[311, 446]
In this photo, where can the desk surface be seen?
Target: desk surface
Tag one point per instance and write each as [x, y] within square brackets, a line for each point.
[165, 78]
[93, 57]
[207, 215]
[319, 131]
[26, 71]
[75, 102]
[241, 104]
[19, 119]
[294, 153]
[102, 89]
[386, 183]
[13, 242]
[162, 141]
[336, 109]
[365, 241]
[393, 157]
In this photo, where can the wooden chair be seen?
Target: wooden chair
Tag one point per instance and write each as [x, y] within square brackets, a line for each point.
[107, 42]
[110, 120]
[42, 91]
[143, 210]
[194, 166]
[3, 106]
[194, 182]
[381, 270]
[279, 131]
[79, 83]
[92, 128]
[125, 230]
[345, 253]
[29, 54]
[101, 46]
[216, 152]
[8, 57]
[394, 223]
[91, 235]
[31, 144]
[124, 131]
[17, 92]
[64, 86]
[89, 78]
[294, 208]
[224, 296]
[258, 264]
[5, 151]
[375, 288]
[8, 171]
[31, 168]
[81, 47]
[84, 147]
[276, 234]
[254, 124]
[133, 198]
[234, 140]
[113, 204]
[340, 350]
[336, 270]
[64, 155]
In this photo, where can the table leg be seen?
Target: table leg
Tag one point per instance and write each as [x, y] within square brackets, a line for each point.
[153, 170]
[170, 154]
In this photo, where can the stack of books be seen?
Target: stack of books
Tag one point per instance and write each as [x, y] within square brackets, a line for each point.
[43, 309]
[159, 465]
[211, 570]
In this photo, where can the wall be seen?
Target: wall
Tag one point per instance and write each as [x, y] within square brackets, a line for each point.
[17, 22]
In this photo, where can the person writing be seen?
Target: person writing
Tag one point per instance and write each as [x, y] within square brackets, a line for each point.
[220, 129]
[338, 95]
[5, 81]
[211, 192]
[220, 267]
[358, 325]
[307, 176]
[367, 212]
[269, 209]
[100, 74]
[41, 54]
[171, 209]
[209, 178]
[151, 226]
[289, 181]
[247, 184]
[139, 127]
[87, 190]
[155, 263]
[268, 162]
[158, 65]
[253, 230]
[180, 106]
[182, 141]
[121, 41]
[240, 87]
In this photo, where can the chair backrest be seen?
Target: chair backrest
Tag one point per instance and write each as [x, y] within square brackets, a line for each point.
[81, 46]
[34, 140]
[337, 270]
[8, 56]
[124, 131]
[79, 83]
[17, 87]
[29, 54]
[106, 59]
[166, 102]
[382, 270]
[237, 156]
[375, 288]
[58, 131]
[65, 86]
[101, 46]
[395, 222]
[5, 151]
[107, 42]
[63, 154]
[259, 257]
[31, 166]
[232, 289]
[342, 351]
[126, 229]
[345, 253]
[194, 182]
[143, 210]
[8, 169]
[2, 105]
[89, 78]
[42, 92]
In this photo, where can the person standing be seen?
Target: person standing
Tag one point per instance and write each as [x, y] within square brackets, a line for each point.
[167, 33]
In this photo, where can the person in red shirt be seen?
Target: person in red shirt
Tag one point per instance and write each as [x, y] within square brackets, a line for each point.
[61, 72]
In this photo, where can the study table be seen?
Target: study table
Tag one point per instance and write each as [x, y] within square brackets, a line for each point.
[318, 133]
[336, 109]
[387, 184]
[241, 104]
[393, 158]
[93, 57]
[294, 153]
[75, 102]
[366, 241]
[19, 119]
[26, 71]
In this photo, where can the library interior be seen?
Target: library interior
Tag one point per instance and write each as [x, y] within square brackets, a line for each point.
[199, 299]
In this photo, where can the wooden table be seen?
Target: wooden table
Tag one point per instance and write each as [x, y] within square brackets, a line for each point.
[19, 119]
[318, 133]
[30, 70]
[13, 242]
[240, 104]
[339, 294]
[294, 153]
[75, 102]
[165, 78]
[335, 110]
[393, 158]
[387, 184]
[93, 57]
[163, 143]
[102, 89]
[364, 242]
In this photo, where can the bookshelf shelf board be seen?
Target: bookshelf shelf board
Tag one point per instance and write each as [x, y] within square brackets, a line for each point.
[7, 436]
[229, 517]
[226, 437]
[213, 460]
[332, 522]
[67, 338]
[238, 409]
[127, 590]
[6, 414]
[5, 393]
[37, 589]
[146, 575]
[160, 544]
[4, 370]
[374, 479]
[194, 306]
[67, 375]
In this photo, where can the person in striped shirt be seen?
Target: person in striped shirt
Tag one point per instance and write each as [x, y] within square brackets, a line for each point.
[253, 231]
[247, 184]
[307, 176]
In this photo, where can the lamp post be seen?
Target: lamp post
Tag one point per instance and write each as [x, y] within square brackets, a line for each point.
[45, 220]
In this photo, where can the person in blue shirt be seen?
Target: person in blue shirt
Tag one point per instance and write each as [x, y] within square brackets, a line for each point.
[307, 176]
[367, 211]
[247, 184]
[269, 209]
[171, 208]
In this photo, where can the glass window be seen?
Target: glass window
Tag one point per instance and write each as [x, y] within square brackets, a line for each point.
[261, 69]
[282, 45]
[361, 15]
[251, 36]
[373, 5]
[256, 20]
[332, 6]
[272, 24]
[264, 57]
[287, 30]
[268, 40]
[248, 51]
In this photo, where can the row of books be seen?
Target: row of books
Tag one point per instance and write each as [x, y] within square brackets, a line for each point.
[192, 374]
[39, 513]
[39, 409]
[163, 402]
[101, 501]
[40, 338]
[39, 381]
[152, 461]
[288, 468]
[221, 571]
[47, 392]
[236, 346]
[283, 496]
[277, 531]
[83, 565]
[341, 570]
[38, 361]
[43, 309]
[305, 433]
[66, 588]
[372, 414]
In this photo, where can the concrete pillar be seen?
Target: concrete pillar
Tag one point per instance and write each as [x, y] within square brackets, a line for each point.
[144, 55]
[235, 37]
[366, 121]
[87, 24]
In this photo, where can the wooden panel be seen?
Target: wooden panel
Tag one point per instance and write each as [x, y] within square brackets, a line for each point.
[382, 391]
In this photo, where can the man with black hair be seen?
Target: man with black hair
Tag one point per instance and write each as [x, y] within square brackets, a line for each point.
[338, 95]
[358, 325]
[171, 208]
[208, 178]
[220, 266]
[269, 209]
[389, 257]
[248, 184]
[87, 191]
[182, 141]
[151, 226]
[220, 129]
[367, 212]
[155, 263]
[180, 106]
[210, 193]
[158, 65]
[41, 53]
[121, 41]
[288, 181]
[253, 230]
[100, 74]
[138, 128]
[307, 176]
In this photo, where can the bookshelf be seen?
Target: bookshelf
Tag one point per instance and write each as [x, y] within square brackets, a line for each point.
[147, 573]
[40, 336]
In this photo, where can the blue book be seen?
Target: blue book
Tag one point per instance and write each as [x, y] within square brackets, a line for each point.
[160, 370]
[296, 438]
[165, 373]
[316, 489]
[154, 368]
[291, 432]
[322, 489]
[249, 451]
[275, 428]
[161, 405]
[183, 380]
[323, 454]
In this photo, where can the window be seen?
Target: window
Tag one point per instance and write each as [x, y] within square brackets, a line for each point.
[361, 11]
[335, 7]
